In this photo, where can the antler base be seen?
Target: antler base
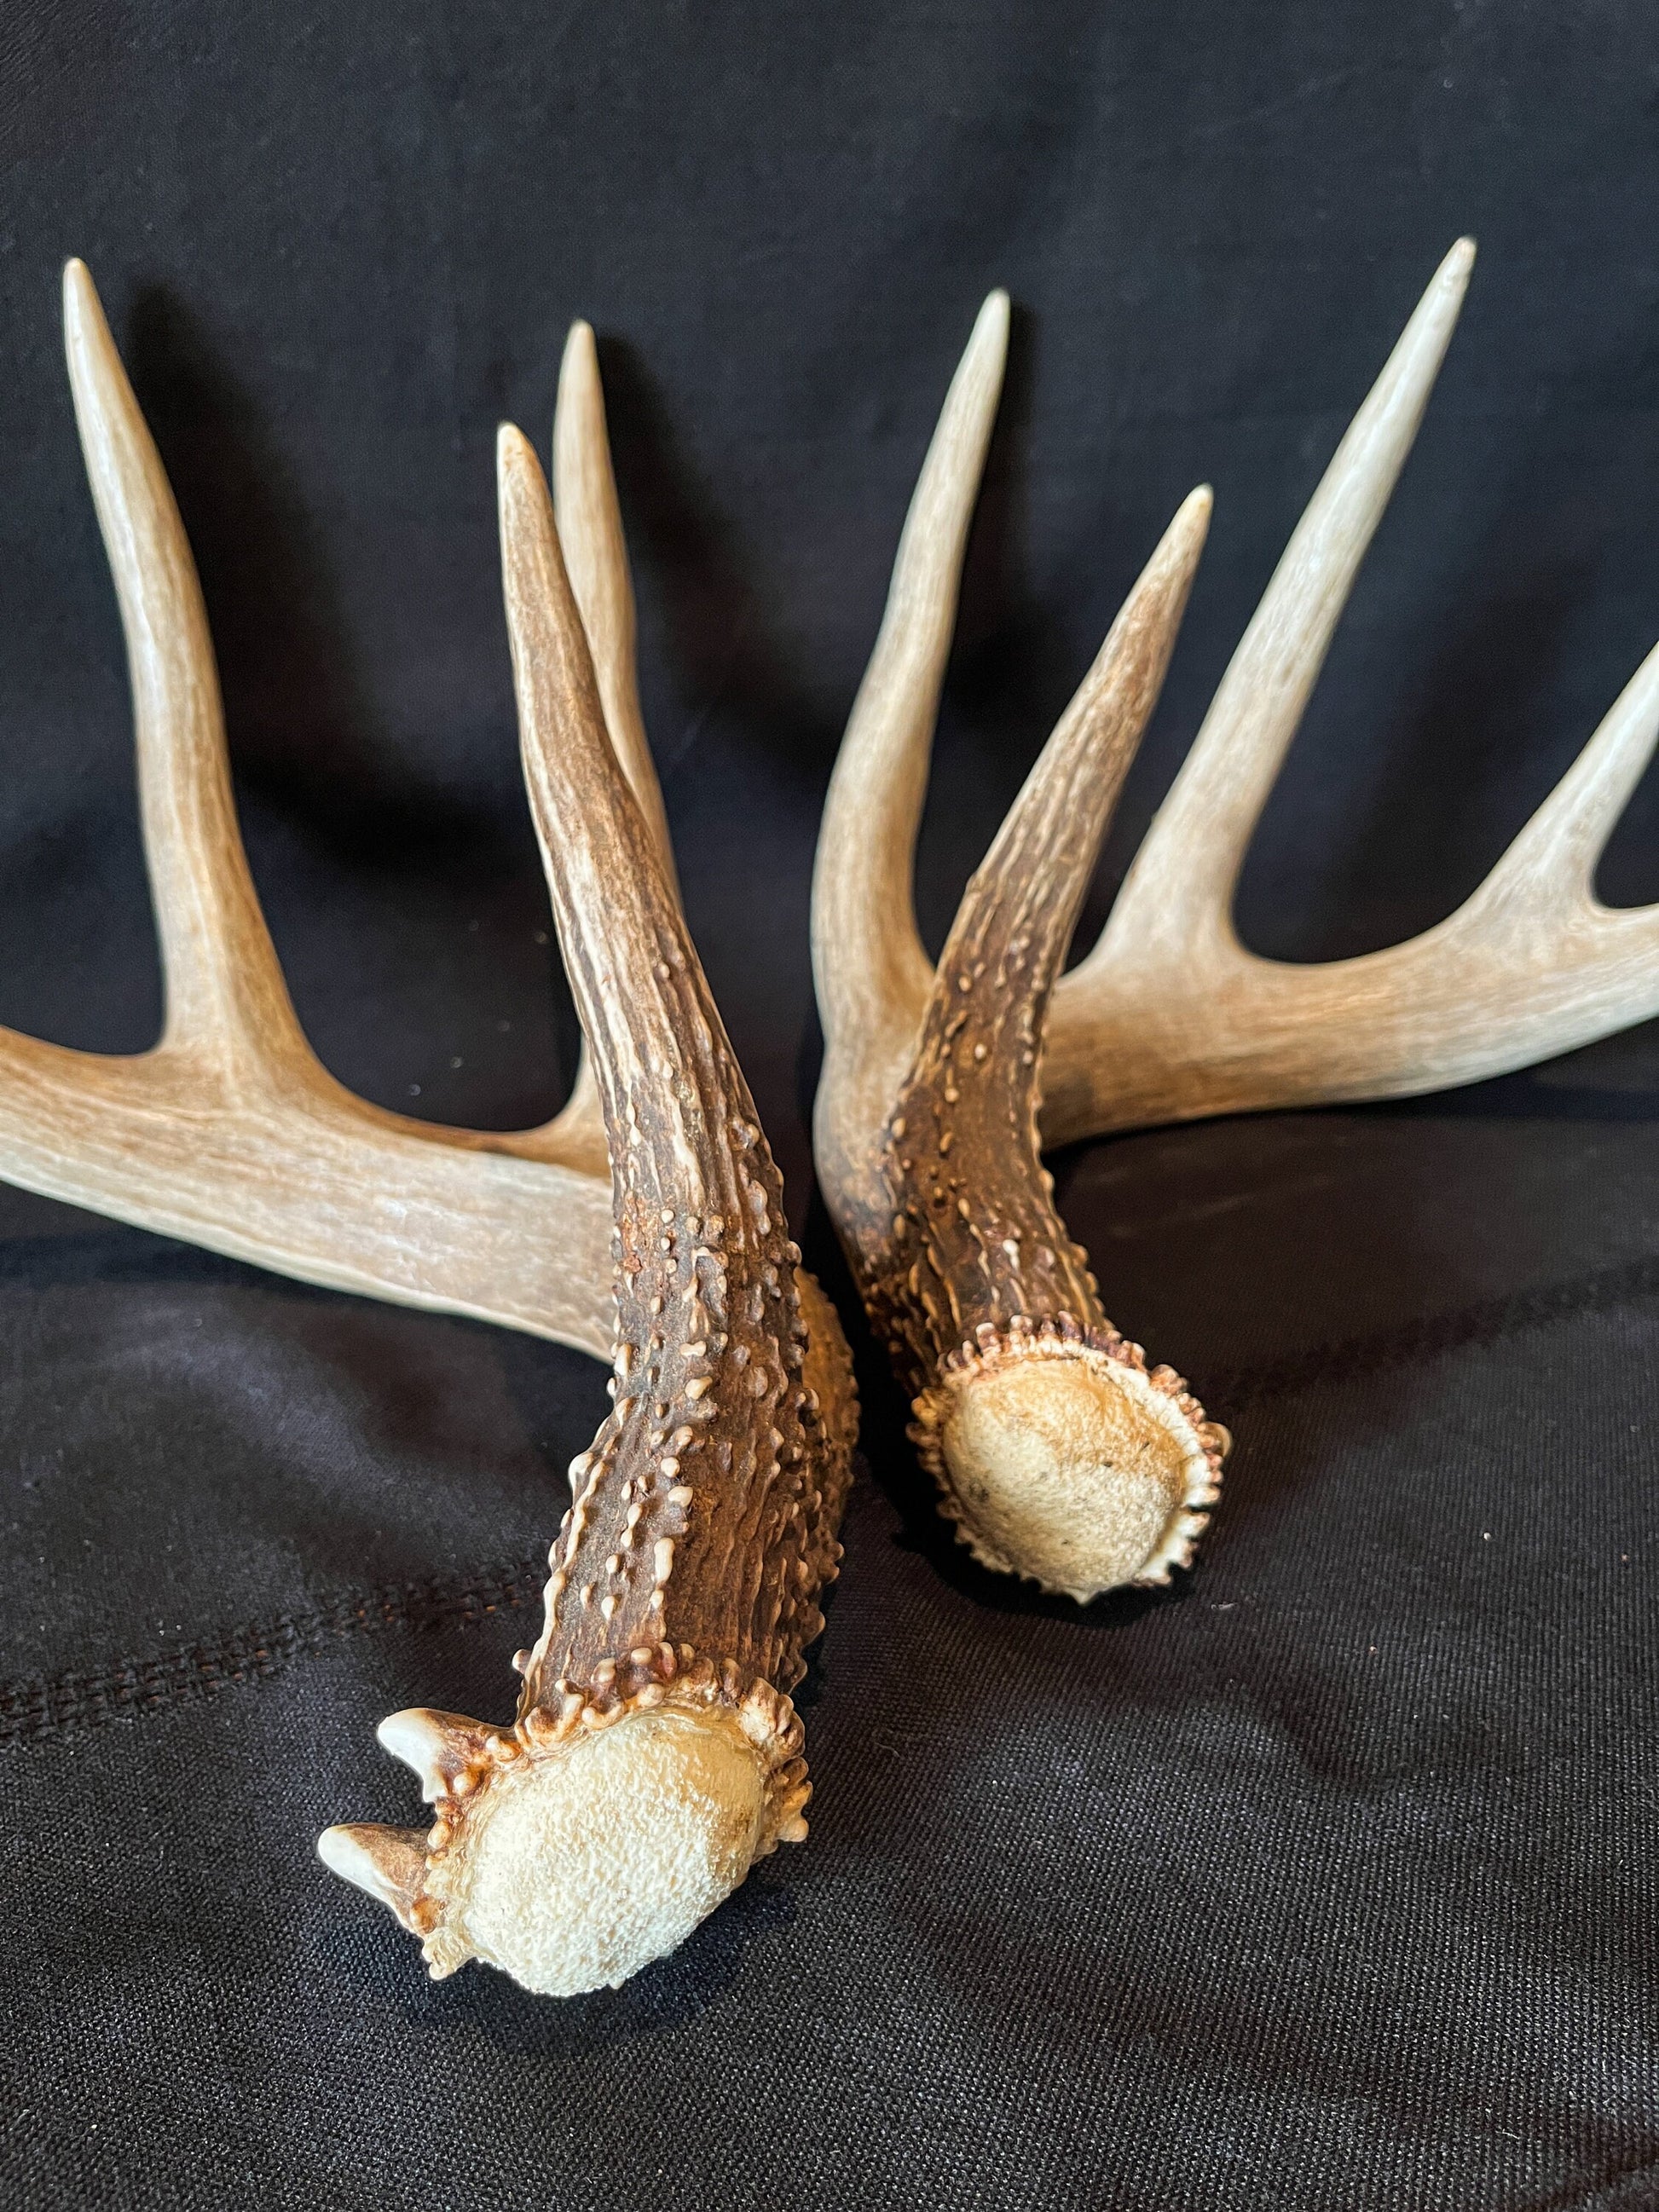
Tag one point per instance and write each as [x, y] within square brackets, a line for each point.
[1061, 1456]
[573, 1849]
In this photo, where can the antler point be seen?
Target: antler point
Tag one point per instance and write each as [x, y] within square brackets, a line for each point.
[991, 325]
[580, 349]
[1457, 264]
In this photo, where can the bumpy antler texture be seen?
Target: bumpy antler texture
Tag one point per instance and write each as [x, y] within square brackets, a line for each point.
[653, 1757]
[1077, 1466]
[567, 1849]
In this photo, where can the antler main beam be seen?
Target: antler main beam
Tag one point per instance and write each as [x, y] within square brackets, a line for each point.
[655, 1755]
[1170, 1017]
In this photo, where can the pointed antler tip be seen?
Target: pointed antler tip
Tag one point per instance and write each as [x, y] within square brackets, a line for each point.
[580, 349]
[991, 326]
[1184, 541]
[1455, 268]
[513, 451]
[338, 1849]
[79, 293]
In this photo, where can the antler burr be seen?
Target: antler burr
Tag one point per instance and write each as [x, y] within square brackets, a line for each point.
[653, 1757]
[1057, 1454]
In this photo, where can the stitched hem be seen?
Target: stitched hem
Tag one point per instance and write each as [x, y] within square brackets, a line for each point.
[42, 1705]
[1489, 1320]
[46, 1705]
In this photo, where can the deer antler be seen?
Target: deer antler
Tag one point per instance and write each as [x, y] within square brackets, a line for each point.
[569, 1850]
[230, 1132]
[653, 1757]
[1057, 1454]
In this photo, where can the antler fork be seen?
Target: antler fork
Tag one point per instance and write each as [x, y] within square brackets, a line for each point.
[230, 1132]
[1057, 1453]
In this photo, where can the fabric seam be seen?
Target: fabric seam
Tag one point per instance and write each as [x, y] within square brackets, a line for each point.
[47, 1705]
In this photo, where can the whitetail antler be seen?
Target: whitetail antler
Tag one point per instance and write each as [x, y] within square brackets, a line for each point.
[1170, 1017]
[654, 1756]
[1048, 1469]
[569, 1850]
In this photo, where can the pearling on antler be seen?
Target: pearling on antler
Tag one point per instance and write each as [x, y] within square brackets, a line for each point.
[653, 1758]
[1057, 1454]
[656, 1754]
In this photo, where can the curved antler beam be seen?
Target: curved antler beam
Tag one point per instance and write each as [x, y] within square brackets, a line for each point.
[1058, 1454]
[655, 1755]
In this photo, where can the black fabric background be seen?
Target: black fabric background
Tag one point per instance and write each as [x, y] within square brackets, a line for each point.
[1325, 1879]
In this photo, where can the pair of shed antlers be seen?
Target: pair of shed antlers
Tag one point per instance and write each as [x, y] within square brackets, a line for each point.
[655, 1755]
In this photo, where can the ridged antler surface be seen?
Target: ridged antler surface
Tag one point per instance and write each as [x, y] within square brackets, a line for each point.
[655, 1753]
[654, 1756]
[1047, 1462]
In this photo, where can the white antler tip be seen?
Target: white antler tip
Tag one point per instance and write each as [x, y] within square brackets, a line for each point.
[991, 326]
[427, 1742]
[580, 352]
[1451, 279]
[512, 450]
[81, 308]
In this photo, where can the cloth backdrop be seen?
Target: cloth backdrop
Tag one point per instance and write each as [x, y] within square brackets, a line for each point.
[1324, 1878]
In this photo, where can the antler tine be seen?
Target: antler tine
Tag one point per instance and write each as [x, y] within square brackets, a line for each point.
[1549, 870]
[873, 976]
[226, 998]
[1179, 890]
[610, 895]
[1021, 904]
[596, 559]
[653, 1757]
